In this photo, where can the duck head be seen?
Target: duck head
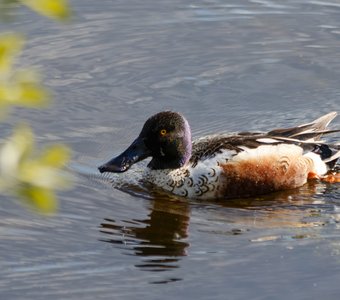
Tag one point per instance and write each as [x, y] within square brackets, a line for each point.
[166, 137]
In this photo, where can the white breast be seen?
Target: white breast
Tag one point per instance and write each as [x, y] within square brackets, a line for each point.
[201, 181]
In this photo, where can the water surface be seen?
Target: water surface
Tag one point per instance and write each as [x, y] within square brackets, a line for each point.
[227, 66]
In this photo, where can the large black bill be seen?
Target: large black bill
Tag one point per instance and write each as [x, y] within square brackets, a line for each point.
[136, 152]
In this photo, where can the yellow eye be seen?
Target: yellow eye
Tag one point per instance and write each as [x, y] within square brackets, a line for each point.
[163, 132]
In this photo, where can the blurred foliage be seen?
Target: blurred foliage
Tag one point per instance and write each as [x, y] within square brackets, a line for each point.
[55, 9]
[25, 172]
[17, 87]
[30, 175]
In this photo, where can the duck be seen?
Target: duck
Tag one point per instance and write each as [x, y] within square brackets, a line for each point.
[225, 166]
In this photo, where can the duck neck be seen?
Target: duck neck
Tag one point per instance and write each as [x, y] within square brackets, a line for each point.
[161, 163]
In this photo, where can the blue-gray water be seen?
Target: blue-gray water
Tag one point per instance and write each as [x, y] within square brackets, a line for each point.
[227, 66]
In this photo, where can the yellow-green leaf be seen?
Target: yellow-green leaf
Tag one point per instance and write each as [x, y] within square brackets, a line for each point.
[23, 88]
[55, 156]
[38, 198]
[31, 94]
[57, 9]
[16, 150]
[10, 45]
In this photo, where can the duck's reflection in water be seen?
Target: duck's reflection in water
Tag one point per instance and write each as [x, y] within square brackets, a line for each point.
[308, 206]
[160, 238]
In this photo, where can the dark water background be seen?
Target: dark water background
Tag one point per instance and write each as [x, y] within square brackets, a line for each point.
[226, 65]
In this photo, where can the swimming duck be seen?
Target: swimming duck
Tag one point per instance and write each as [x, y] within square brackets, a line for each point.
[228, 166]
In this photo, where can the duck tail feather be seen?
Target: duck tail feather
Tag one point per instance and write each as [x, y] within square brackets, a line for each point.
[309, 131]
